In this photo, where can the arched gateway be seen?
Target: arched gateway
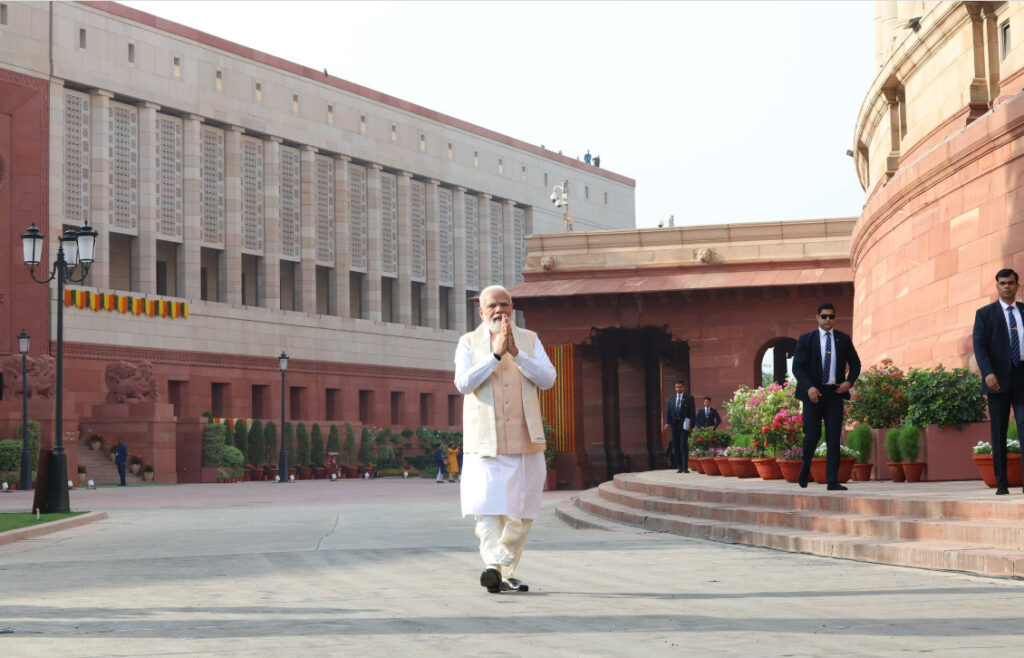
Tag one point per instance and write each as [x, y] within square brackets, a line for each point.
[627, 313]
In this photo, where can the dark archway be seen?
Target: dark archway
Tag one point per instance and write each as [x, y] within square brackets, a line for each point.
[782, 351]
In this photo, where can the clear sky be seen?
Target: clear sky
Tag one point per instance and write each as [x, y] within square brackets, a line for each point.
[722, 111]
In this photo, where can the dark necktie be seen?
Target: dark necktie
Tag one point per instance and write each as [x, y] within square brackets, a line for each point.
[826, 363]
[1014, 338]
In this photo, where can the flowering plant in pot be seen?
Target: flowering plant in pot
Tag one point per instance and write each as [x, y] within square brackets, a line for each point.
[741, 459]
[879, 399]
[790, 460]
[147, 472]
[937, 396]
[847, 458]
[982, 454]
[784, 431]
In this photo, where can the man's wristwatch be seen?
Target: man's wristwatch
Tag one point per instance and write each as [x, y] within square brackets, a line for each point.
[496, 356]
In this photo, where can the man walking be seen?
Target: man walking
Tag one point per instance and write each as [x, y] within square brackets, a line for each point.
[708, 417]
[826, 366]
[120, 459]
[679, 418]
[500, 368]
[999, 350]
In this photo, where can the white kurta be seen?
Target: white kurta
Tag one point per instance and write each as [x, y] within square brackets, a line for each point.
[505, 485]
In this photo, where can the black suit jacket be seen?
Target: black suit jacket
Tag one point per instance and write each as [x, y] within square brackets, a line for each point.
[686, 410]
[992, 344]
[807, 362]
[709, 419]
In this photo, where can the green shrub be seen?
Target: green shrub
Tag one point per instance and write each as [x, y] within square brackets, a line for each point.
[11, 449]
[861, 440]
[349, 452]
[1012, 433]
[910, 437]
[365, 447]
[214, 444]
[288, 442]
[892, 444]
[742, 440]
[334, 440]
[937, 396]
[228, 438]
[270, 439]
[316, 446]
[549, 445]
[241, 435]
[257, 444]
[302, 445]
[208, 416]
[879, 399]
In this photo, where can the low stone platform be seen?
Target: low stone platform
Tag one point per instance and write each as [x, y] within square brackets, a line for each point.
[956, 526]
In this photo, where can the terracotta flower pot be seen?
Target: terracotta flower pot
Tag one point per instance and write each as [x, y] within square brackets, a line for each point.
[862, 472]
[743, 467]
[724, 467]
[697, 464]
[790, 469]
[767, 468]
[1013, 469]
[846, 465]
[819, 470]
[710, 467]
[896, 471]
[912, 471]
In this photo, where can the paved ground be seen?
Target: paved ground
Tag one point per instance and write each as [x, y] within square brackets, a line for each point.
[388, 568]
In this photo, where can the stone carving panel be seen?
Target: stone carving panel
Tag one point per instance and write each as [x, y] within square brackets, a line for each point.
[497, 272]
[518, 230]
[291, 204]
[357, 218]
[389, 224]
[128, 382]
[124, 164]
[41, 374]
[418, 218]
[170, 190]
[211, 191]
[472, 243]
[325, 210]
[77, 157]
[445, 238]
[252, 195]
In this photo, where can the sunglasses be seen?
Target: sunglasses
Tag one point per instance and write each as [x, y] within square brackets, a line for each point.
[828, 316]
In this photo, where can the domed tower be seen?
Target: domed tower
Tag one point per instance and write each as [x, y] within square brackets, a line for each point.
[937, 149]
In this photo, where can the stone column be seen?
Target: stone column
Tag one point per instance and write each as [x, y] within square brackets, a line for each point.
[432, 310]
[270, 273]
[483, 217]
[307, 250]
[144, 250]
[508, 222]
[341, 237]
[404, 248]
[190, 251]
[229, 280]
[373, 242]
[459, 290]
[99, 197]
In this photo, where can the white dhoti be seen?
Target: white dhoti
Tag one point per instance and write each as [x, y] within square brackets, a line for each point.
[504, 494]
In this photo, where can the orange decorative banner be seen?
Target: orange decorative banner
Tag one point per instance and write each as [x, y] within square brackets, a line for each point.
[558, 402]
[105, 301]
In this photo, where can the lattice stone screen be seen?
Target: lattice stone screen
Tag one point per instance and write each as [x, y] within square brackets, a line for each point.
[211, 189]
[472, 244]
[389, 224]
[170, 190]
[324, 210]
[123, 181]
[497, 244]
[252, 195]
[518, 229]
[445, 238]
[357, 218]
[77, 158]
[418, 219]
[291, 204]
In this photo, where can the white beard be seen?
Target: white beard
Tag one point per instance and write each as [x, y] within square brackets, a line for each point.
[494, 324]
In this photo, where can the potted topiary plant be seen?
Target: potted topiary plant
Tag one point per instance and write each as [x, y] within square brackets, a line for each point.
[136, 464]
[95, 441]
[892, 448]
[910, 446]
[147, 472]
[82, 477]
[861, 440]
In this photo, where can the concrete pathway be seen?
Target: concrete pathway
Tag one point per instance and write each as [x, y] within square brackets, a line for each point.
[387, 567]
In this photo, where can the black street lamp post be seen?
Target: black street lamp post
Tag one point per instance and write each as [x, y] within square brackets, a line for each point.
[73, 247]
[282, 459]
[26, 458]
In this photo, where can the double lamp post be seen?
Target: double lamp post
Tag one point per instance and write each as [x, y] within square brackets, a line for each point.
[73, 248]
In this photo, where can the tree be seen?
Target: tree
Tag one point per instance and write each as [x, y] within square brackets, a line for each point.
[366, 446]
[257, 445]
[242, 436]
[302, 445]
[270, 439]
[334, 440]
[349, 452]
[288, 441]
[227, 426]
[316, 446]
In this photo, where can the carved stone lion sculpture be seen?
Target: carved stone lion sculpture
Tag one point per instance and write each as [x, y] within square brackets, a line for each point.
[39, 370]
[131, 382]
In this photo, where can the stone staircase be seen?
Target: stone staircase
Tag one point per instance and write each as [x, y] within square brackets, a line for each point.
[956, 526]
[98, 466]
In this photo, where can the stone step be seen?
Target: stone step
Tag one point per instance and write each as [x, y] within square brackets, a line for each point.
[911, 553]
[979, 532]
[98, 466]
[895, 502]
